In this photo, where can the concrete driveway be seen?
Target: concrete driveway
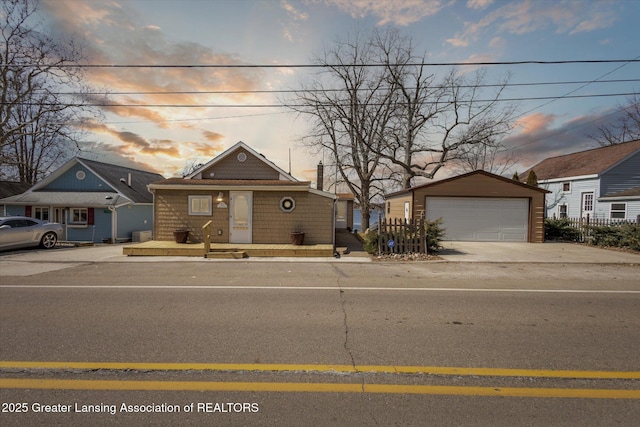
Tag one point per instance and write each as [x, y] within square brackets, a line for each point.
[534, 253]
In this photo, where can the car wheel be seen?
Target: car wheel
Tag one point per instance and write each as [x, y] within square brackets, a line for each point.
[49, 240]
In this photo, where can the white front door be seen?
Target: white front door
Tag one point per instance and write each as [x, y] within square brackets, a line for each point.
[587, 205]
[240, 216]
[60, 215]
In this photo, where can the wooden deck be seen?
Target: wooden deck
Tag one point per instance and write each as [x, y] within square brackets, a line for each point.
[225, 250]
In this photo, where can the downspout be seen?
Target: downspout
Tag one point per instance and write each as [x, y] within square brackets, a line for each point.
[114, 223]
[335, 203]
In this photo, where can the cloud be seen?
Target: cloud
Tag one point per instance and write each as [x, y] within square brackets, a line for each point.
[116, 34]
[479, 4]
[529, 16]
[534, 123]
[398, 12]
[132, 143]
[212, 136]
[293, 12]
[207, 150]
[537, 136]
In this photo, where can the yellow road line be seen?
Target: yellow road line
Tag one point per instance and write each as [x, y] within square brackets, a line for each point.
[48, 384]
[432, 370]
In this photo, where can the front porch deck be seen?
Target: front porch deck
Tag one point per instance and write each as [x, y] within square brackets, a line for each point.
[225, 250]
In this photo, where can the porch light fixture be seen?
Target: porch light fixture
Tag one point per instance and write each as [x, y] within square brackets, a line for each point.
[220, 197]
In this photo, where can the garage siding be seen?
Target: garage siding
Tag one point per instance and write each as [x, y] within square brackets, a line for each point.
[478, 184]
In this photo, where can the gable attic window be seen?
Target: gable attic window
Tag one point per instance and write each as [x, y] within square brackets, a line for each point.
[200, 205]
[618, 210]
[566, 187]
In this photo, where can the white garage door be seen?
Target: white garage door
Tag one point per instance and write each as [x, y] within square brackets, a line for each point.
[481, 219]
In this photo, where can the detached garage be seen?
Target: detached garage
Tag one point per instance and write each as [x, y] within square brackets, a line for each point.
[477, 206]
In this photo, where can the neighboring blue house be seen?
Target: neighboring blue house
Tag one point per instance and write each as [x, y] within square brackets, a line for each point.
[603, 183]
[94, 201]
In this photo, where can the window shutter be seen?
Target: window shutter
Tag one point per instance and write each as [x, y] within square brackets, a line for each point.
[27, 211]
[91, 216]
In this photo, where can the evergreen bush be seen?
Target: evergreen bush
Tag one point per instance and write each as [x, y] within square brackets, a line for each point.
[561, 229]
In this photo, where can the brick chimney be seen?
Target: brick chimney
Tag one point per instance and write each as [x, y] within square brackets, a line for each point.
[320, 177]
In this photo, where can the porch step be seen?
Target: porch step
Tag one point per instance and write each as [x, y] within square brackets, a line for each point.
[226, 254]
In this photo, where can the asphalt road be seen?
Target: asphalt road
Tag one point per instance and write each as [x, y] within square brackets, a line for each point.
[321, 344]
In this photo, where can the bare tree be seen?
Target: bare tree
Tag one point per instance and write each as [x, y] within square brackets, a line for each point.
[436, 122]
[625, 128]
[492, 157]
[36, 119]
[349, 106]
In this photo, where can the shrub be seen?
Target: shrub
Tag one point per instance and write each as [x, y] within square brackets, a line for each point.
[561, 229]
[620, 236]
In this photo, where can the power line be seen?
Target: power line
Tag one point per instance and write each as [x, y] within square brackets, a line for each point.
[537, 98]
[241, 92]
[424, 64]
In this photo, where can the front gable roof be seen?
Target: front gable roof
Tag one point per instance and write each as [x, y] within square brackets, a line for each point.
[240, 147]
[116, 177]
[467, 176]
[590, 162]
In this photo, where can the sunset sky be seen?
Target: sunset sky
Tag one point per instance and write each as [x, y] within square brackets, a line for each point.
[285, 32]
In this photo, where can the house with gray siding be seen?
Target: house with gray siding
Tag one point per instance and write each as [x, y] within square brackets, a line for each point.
[94, 201]
[602, 183]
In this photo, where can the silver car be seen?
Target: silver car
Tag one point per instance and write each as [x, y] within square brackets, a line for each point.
[22, 231]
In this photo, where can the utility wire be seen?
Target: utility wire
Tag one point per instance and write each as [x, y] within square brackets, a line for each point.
[537, 98]
[425, 64]
[242, 92]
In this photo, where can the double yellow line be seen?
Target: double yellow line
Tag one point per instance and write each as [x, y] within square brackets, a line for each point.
[58, 384]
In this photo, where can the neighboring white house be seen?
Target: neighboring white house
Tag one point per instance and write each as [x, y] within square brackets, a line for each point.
[602, 183]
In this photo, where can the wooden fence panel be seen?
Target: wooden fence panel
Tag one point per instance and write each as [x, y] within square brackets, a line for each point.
[397, 236]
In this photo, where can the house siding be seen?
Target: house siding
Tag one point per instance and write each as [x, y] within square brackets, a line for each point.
[133, 218]
[394, 206]
[68, 181]
[171, 212]
[231, 168]
[313, 215]
[624, 176]
[99, 231]
[573, 198]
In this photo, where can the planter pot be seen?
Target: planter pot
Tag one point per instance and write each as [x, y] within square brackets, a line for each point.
[297, 238]
[181, 236]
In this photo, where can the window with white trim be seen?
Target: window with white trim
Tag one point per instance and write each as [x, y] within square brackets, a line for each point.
[200, 205]
[618, 211]
[79, 216]
[41, 213]
[562, 211]
[566, 187]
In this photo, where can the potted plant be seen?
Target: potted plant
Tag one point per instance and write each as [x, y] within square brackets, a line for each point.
[297, 236]
[181, 236]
